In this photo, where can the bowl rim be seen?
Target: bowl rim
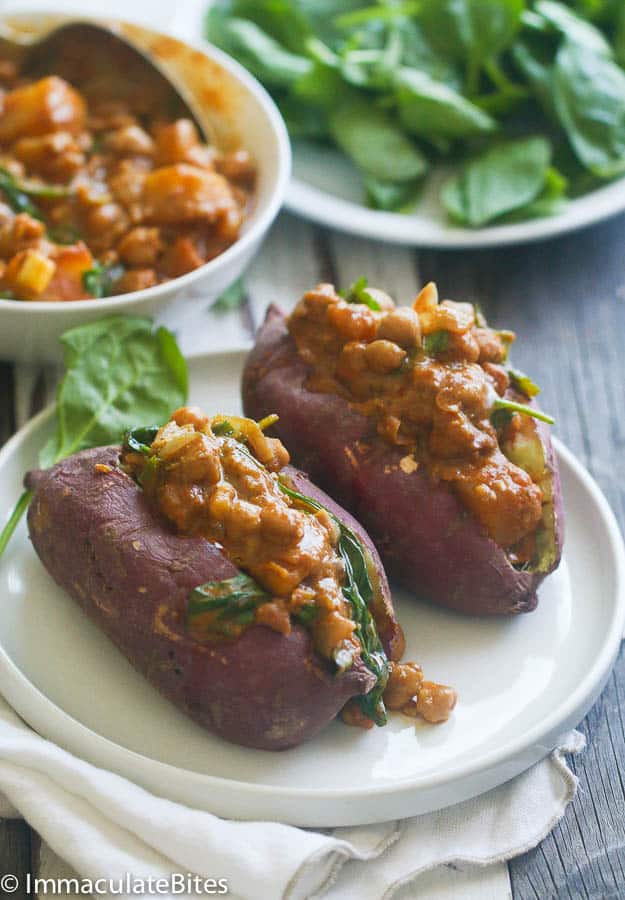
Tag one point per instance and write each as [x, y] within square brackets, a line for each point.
[259, 225]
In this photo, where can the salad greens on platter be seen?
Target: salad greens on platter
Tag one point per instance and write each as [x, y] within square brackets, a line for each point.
[524, 99]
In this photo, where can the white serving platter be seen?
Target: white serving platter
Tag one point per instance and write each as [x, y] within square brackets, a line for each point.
[326, 188]
[522, 682]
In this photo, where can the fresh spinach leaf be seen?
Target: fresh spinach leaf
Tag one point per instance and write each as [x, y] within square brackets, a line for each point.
[572, 26]
[504, 178]
[100, 280]
[140, 438]
[589, 97]
[431, 109]
[551, 200]
[232, 602]
[118, 372]
[16, 197]
[232, 298]
[375, 143]
[391, 195]
[471, 31]
[359, 592]
[267, 59]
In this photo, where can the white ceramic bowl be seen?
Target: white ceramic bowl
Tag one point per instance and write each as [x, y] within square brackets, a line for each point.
[238, 111]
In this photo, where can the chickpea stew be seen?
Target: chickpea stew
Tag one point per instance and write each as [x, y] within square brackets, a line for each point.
[107, 186]
[223, 479]
[435, 380]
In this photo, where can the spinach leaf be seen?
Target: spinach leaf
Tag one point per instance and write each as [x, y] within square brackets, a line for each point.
[278, 18]
[431, 109]
[232, 602]
[572, 26]
[504, 178]
[357, 293]
[232, 298]
[267, 59]
[359, 592]
[141, 438]
[589, 97]
[391, 195]
[551, 200]
[374, 142]
[436, 342]
[117, 371]
[533, 56]
[372, 66]
[16, 197]
[100, 280]
[471, 31]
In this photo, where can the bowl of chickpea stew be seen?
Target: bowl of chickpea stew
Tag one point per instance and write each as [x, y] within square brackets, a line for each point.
[113, 199]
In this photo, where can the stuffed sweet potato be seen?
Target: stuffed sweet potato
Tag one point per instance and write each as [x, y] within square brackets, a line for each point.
[241, 591]
[413, 419]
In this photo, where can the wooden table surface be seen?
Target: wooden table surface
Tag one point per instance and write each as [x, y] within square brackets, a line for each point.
[566, 300]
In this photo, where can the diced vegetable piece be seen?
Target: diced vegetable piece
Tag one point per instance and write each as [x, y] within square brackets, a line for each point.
[29, 273]
[50, 104]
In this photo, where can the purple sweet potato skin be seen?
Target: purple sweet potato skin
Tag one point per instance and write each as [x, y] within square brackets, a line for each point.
[100, 541]
[426, 539]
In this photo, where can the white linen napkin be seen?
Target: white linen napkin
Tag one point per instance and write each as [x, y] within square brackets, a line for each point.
[105, 827]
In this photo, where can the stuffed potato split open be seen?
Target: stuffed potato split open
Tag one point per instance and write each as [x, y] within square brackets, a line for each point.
[415, 421]
[241, 591]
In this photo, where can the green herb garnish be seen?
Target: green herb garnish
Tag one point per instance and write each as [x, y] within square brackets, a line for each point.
[523, 382]
[118, 371]
[223, 429]
[510, 406]
[232, 298]
[140, 439]
[16, 196]
[357, 293]
[100, 280]
[359, 592]
[234, 602]
[436, 342]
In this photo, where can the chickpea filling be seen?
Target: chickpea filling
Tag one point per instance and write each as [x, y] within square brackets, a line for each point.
[432, 378]
[218, 478]
[104, 188]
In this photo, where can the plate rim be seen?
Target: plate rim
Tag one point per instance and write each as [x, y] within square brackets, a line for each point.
[324, 208]
[511, 749]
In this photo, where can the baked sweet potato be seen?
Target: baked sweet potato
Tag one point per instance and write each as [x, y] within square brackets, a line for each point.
[105, 523]
[413, 420]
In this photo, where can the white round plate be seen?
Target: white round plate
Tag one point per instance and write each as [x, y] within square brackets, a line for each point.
[522, 682]
[326, 188]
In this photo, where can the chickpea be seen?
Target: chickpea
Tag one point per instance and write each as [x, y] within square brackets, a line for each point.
[140, 246]
[402, 326]
[403, 684]
[384, 357]
[352, 322]
[435, 701]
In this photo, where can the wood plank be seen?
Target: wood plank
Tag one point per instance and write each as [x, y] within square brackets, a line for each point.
[15, 858]
[7, 406]
[566, 300]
